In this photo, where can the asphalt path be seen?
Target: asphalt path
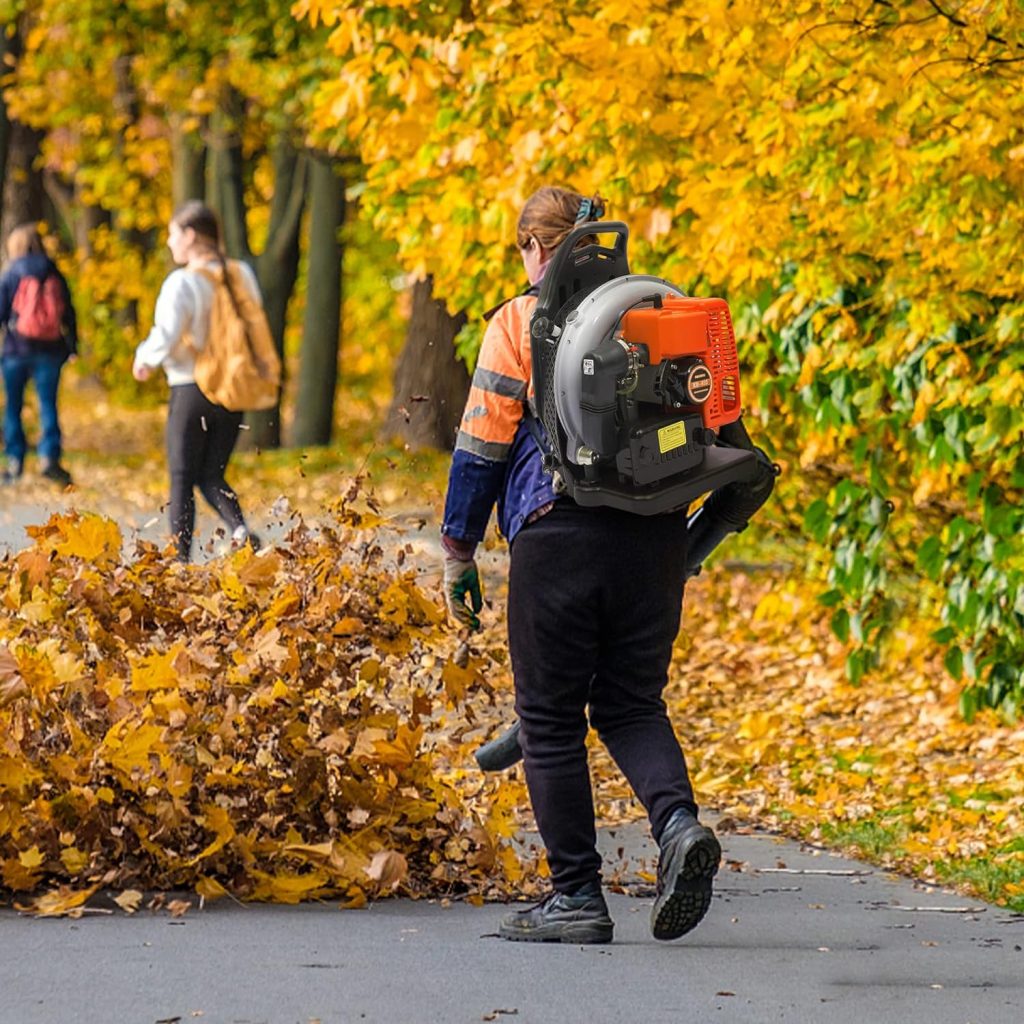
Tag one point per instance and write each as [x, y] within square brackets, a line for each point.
[793, 934]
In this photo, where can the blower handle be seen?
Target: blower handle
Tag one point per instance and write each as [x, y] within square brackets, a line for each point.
[574, 273]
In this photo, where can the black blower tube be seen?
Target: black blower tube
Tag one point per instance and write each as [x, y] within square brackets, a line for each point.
[727, 510]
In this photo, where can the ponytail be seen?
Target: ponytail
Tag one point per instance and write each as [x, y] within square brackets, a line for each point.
[552, 212]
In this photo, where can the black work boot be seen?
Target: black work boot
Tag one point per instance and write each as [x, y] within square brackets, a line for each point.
[689, 860]
[580, 918]
[53, 470]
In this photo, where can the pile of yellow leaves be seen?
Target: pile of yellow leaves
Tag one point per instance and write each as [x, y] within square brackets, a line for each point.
[277, 726]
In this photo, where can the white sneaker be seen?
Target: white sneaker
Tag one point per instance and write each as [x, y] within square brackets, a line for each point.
[242, 536]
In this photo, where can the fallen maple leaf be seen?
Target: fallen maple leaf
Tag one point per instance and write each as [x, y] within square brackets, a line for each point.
[62, 901]
[129, 900]
[387, 868]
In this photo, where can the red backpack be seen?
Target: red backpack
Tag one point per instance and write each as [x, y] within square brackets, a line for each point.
[40, 308]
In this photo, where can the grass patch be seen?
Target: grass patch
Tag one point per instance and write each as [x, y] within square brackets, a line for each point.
[998, 878]
[877, 839]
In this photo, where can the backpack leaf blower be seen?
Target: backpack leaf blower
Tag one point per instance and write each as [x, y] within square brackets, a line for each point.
[637, 390]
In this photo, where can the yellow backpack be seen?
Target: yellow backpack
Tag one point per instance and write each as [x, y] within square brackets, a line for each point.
[238, 367]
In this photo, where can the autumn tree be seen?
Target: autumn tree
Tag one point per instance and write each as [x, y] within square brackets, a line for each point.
[5, 122]
[314, 407]
[22, 197]
[155, 104]
[847, 173]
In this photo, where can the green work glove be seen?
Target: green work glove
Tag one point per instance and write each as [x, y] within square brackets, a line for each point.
[461, 578]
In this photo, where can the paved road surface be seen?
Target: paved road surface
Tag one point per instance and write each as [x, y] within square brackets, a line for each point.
[822, 941]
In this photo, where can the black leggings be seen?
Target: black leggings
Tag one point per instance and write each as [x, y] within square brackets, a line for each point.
[594, 604]
[200, 439]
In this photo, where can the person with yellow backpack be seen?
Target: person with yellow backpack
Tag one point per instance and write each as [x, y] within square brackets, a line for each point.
[211, 337]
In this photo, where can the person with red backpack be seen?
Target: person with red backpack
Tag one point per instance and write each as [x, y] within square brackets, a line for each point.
[40, 335]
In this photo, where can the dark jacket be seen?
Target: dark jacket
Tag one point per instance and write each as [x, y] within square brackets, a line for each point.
[41, 267]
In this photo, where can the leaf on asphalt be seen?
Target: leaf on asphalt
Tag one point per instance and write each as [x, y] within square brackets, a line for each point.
[129, 900]
[210, 889]
[61, 902]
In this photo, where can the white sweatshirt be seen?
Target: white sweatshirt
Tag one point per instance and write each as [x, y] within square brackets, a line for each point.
[183, 309]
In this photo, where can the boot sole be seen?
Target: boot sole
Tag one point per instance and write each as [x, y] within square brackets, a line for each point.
[680, 909]
[582, 934]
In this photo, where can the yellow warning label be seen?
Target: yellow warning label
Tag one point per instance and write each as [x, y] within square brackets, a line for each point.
[672, 436]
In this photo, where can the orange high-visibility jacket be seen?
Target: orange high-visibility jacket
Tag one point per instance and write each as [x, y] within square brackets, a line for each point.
[496, 457]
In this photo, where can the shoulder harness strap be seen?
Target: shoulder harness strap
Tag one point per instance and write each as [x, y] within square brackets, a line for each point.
[534, 289]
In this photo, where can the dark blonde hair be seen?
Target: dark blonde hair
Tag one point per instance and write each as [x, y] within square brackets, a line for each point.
[23, 240]
[200, 218]
[551, 213]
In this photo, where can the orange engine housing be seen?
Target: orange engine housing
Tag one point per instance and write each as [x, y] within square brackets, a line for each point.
[687, 326]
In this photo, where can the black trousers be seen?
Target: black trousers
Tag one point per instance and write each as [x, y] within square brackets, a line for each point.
[200, 439]
[594, 605]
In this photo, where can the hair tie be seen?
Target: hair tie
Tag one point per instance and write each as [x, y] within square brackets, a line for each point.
[590, 209]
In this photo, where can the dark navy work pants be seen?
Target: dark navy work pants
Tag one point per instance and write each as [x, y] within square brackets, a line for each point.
[594, 607]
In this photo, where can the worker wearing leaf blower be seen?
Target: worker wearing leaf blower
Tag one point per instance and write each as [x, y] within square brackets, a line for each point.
[594, 608]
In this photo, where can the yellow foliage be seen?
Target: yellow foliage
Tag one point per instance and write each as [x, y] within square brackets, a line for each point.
[734, 138]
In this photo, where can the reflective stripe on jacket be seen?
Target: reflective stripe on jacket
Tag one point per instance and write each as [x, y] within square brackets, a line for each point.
[496, 458]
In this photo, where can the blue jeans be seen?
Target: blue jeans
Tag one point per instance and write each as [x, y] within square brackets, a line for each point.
[44, 368]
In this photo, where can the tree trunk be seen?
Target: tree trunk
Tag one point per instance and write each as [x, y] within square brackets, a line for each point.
[61, 215]
[276, 269]
[225, 190]
[79, 218]
[431, 383]
[277, 266]
[318, 367]
[126, 106]
[188, 170]
[24, 197]
[227, 179]
[91, 218]
[5, 123]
